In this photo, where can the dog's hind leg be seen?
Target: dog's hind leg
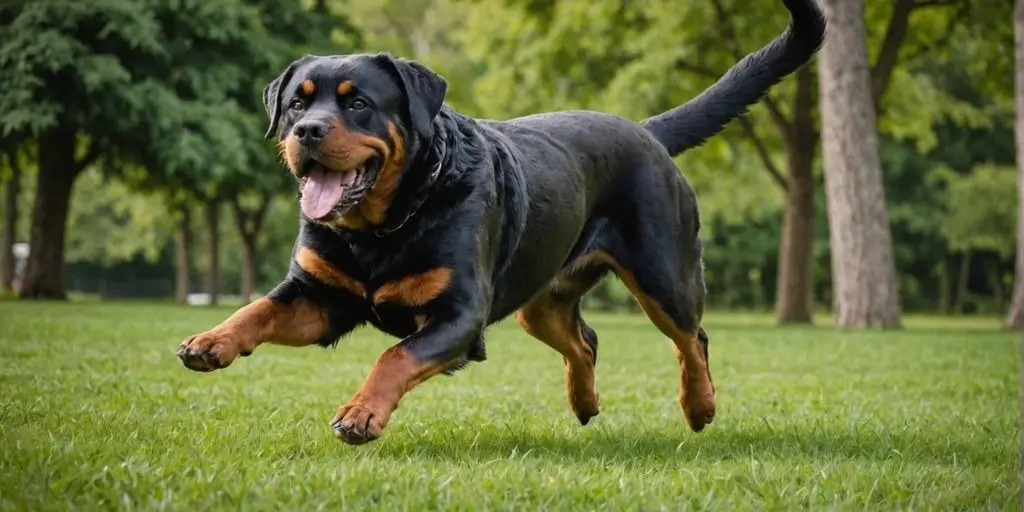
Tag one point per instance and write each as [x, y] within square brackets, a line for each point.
[675, 305]
[554, 318]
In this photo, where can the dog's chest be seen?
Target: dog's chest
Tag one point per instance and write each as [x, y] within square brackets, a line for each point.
[398, 299]
[399, 306]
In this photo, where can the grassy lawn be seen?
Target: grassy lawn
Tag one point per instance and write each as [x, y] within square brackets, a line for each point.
[98, 413]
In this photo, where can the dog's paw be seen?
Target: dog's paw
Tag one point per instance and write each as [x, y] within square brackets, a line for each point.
[208, 351]
[699, 411]
[358, 423]
[585, 406]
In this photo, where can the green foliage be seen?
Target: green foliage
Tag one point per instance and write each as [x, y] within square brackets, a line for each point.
[426, 30]
[981, 209]
[119, 69]
[111, 224]
[173, 86]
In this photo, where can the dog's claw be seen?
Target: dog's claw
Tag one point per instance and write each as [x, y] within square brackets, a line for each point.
[206, 352]
[355, 425]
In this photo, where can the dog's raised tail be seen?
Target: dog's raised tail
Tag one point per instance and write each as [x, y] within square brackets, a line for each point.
[743, 85]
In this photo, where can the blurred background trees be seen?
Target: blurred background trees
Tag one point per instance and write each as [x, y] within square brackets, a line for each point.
[1015, 317]
[136, 129]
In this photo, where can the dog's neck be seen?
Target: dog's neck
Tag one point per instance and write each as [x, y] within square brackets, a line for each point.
[419, 177]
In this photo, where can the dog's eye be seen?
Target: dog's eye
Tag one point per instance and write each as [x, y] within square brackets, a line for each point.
[358, 104]
[296, 104]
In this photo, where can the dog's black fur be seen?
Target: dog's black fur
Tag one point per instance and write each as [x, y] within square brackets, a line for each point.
[525, 214]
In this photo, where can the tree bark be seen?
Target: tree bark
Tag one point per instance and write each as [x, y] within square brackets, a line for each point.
[945, 293]
[45, 272]
[794, 301]
[1015, 317]
[249, 223]
[866, 289]
[962, 281]
[183, 256]
[212, 214]
[994, 277]
[8, 233]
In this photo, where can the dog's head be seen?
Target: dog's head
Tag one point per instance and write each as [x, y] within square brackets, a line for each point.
[347, 124]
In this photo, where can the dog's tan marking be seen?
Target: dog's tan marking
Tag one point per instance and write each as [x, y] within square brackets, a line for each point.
[372, 210]
[421, 320]
[697, 390]
[326, 273]
[551, 321]
[415, 290]
[297, 324]
[364, 417]
[308, 87]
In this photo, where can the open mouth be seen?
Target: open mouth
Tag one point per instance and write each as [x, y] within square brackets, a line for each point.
[328, 192]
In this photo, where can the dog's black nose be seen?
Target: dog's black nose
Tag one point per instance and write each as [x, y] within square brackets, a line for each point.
[311, 132]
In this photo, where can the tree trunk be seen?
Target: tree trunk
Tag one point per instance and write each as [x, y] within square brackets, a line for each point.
[794, 301]
[249, 223]
[866, 289]
[45, 272]
[1015, 318]
[183, 255]
[945, 294]
[994, 276]
[248, 265]
[962, 281]
[7, 233]
[212, 210]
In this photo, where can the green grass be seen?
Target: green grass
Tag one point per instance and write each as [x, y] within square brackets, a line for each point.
[96, 412]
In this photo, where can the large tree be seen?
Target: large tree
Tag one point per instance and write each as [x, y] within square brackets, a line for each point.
[866, 289]
[90, 80]
[8, 232]
[1015, 318]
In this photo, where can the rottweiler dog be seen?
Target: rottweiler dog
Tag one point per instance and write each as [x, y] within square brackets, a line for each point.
[431, 225]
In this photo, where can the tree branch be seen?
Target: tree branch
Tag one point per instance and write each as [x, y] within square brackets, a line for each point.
[762, 151]
[748, 127]
[933, 3]
[94, 152]
[733, 44]
[241, 216]
[261, 211]
[683, 65]
[895, 34]
[250, 222]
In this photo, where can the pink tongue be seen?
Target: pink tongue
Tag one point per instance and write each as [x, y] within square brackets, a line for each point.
[323, 190]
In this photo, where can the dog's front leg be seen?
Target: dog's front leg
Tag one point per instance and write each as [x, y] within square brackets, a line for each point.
[283, 317]
[440, 344]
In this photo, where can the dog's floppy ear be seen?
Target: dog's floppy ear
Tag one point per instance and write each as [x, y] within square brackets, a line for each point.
[272, 94]
[424, 91]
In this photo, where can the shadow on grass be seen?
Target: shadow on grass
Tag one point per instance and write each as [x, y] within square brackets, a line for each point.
[607, 446]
